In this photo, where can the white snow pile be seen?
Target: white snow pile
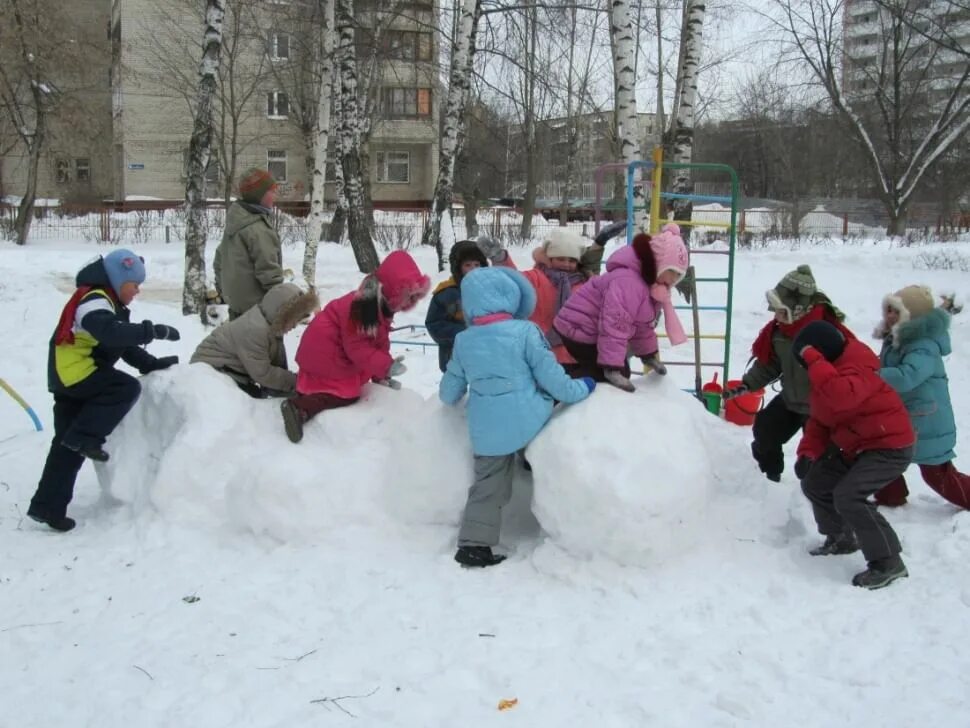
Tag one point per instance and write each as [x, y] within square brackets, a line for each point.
[612, 477]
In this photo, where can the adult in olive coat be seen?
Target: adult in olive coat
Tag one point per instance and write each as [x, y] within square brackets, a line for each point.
[250, 348]
[249, 260]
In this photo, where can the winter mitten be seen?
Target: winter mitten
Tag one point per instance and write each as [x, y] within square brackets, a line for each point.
[397, 367]
[609, 232]
[168, 333]
[652, 363]
[387, 382]
[616, 378]
[685, 287]
[734, 392]
[163, 362]
[802, 466]
[589, 382]
[492, 248]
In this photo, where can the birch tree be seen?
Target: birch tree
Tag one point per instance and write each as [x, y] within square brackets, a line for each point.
[459, 86]
[682, 117]
[623, 44]
[361, 240]
[903, 116]
[200, 149]
[321, 142]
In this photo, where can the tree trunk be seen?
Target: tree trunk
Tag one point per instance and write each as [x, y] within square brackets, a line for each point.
[360, 235]
[25, 211]
[320, 145]
[691, 43]
[571, 125]
[200, 145]
[529, 121]
[459, 84]
[628, 124]
[897, 220]
[471, 213]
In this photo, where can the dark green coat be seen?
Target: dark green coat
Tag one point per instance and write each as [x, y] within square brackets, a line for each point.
[249, 260]
[794, 377]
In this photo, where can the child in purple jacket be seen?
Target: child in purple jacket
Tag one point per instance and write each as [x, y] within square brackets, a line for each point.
[619, 310]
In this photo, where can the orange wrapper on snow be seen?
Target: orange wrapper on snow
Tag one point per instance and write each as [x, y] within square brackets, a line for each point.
[506, 704]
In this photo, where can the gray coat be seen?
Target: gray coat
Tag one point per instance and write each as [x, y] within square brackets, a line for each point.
[249, 260]
[794, 377]
[250, 348]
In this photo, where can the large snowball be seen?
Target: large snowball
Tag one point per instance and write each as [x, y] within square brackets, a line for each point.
[626, 476]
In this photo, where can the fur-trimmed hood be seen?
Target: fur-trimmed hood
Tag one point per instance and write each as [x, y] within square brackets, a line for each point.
[285, 305]
[934, 326]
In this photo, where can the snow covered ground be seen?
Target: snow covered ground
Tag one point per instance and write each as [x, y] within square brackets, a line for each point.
[221, 576]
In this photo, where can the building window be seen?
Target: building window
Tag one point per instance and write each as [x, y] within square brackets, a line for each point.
[407, 45]
[82, 170]
[279, 47]
[62, 171]
[277, 105]
[406, 103]
[394, 167]
[276, 164]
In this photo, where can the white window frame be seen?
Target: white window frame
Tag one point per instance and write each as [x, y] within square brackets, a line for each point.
[277, 157]
[384, 164]
[273, 99]
[82, 164]
[274, 46]
[63, 171]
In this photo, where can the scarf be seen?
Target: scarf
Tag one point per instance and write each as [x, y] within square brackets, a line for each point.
[675, 330]
[64, 333]
[491, 318]
[563, 281]
[762, 349]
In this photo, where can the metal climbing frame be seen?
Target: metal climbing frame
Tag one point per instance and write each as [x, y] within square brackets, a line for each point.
[656, 167]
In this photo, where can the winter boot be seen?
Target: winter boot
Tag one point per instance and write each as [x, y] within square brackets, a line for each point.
[476, 556]
[844, 543]
[616, 378]
[771, 467]
[91, 452]
[881, 572]
[58, 524]
[292, 420]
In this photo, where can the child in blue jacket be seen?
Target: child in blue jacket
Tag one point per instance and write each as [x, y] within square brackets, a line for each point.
[512, 377]
[445, 319]
[915, 337]
[90, 396]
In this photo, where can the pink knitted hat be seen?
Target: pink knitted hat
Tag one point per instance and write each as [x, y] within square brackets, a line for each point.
[669, 250]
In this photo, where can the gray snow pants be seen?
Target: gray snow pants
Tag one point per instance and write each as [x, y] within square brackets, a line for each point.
[492, 489]
[838, 491]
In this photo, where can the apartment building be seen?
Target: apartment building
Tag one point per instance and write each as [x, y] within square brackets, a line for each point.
[868, 35]
[148, 73]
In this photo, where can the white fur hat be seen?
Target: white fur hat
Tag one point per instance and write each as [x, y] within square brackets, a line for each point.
[910, 302]
[564, 243]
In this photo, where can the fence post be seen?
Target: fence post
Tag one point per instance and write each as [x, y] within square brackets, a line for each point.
[742, 224]
[845, 224]
[105, 225]
[168, 238]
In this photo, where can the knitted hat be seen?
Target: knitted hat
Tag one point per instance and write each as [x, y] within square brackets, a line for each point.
[820, 335]
[669, 251]
[564, 243]
[794, 294]
[462, 252]
[255, 183]
[123, 266]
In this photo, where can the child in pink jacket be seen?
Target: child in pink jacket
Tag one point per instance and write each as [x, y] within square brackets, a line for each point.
[619, 310]
[348, 342]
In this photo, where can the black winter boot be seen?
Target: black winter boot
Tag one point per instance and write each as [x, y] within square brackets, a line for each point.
[91, 452]
[881, 573]
[476, 556]
[58, 524]
[772, 467]
[292, 420]
[844, 543]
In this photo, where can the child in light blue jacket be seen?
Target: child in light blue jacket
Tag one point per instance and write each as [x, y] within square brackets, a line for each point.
[512, 378]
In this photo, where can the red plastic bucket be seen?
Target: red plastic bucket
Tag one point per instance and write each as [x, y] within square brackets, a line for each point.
[741, 410]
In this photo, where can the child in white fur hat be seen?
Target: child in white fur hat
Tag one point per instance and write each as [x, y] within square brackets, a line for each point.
[915, 336]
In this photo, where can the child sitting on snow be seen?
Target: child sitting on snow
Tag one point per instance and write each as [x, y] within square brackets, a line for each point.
[858, 438]
[915, 337]
[512, 378]
[796, 302]
[445, 319]
[620, 309]
[563, 263]
[91, 397]
[348, 342]
[250, 348]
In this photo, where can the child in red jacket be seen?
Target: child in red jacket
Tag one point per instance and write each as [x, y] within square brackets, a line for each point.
[349, 342]
[857, 439]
